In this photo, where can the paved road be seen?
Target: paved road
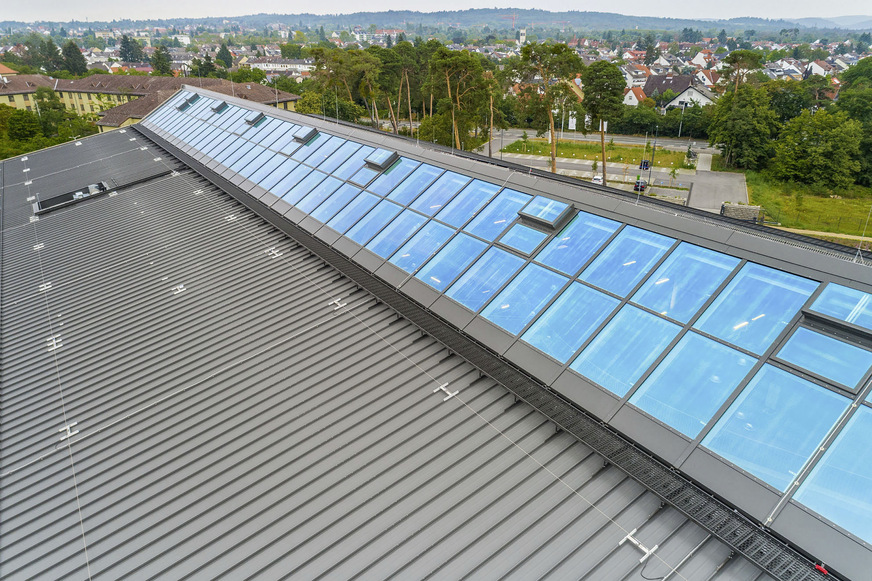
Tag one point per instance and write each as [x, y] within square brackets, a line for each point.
[674, 144]
[709, 189]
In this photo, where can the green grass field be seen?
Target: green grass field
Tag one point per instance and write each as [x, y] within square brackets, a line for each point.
[629, 154]
[800, 206]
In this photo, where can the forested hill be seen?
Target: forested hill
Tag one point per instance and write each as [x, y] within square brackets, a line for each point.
[494, 18]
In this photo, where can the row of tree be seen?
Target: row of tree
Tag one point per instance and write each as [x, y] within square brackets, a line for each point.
[797, 132]
[459, 97]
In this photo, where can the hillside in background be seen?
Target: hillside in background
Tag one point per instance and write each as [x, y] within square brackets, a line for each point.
[492, 17]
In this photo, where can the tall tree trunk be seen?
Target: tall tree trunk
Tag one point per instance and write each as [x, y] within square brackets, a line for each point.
[400, 101]
[453, 120]
[490, 132]
[603, 144]
[409, 99]
[553, 141]
[393, 118]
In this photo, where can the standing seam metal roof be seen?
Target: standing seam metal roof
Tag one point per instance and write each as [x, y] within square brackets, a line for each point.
[233, 421]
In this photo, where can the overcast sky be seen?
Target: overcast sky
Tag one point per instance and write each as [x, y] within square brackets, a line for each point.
[57, 10]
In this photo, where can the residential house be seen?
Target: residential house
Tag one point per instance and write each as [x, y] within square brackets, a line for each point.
[693, 95]
[633, 96]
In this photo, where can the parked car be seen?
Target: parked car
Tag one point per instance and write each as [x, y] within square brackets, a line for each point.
[597, 180]
[640, 186]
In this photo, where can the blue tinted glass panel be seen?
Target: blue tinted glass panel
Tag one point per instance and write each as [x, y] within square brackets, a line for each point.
[338, 157]
[438, 194]
[544, 209]
[325, 151]
[235, 150]
[351, 213]
[286, 167]
[286, 137]
[306, 185]
[413, 185]
[206, 137]
[846, 304]
[624, 349]
[422, 245]
[497, 215]
[523, 238]
[318, 194]
[578, 241]
[757, 304]
[523, 298]
[568, 323]
[838, 487]
[484, 278]
[277, 131]
[692, 382]
[467, 203]
[310, 147]
[626, 260]
[827, 356]
[363, 176]
[243, 161]
[392, 176]
[685, 280]
[290, 180]
[253, 165]
[451, 261]
[266, 169]
[263, 130]
[291, 146]
[336, 202]
[397, 232]
[774, 425]
[375, 220]
[217, 146]
[354, 163]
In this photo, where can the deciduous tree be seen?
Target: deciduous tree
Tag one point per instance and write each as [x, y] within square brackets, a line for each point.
[819, 148]
[742, 126]
[603, 86]
[545, 72]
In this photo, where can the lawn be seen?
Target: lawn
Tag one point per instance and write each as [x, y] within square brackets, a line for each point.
[629, 154]
[800, 206]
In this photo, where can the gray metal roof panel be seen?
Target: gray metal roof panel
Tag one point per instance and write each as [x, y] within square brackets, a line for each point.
[242, 426]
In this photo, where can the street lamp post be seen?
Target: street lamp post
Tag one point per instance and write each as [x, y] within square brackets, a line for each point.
[653, 151]
[680, 123]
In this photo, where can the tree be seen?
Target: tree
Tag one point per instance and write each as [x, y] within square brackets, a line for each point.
[857, 104]
[547, 71]
[742, 126]
[741, 63]
[819, 148]
[652, 52]
[456, 75]
[224, 56]
[787, 98]
[160, 61]
[73, 59]
[130, 50]
[51, 111]
[722, 37]
[858, 76]
[50, 56]
[603, 86]
[326, 103]
[22, 125]
[291, 51]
